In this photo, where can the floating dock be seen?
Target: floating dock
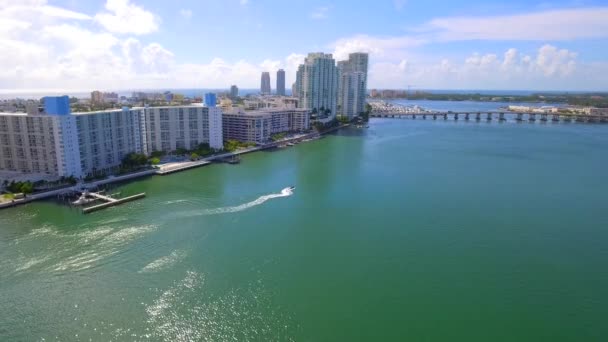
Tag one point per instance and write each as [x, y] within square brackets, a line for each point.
[110, 202]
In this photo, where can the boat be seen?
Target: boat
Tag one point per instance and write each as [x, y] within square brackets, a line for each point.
[82, 200]
[289, 144]
[292, 188]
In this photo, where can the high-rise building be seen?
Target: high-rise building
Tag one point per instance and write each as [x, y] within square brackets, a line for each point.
[265, 84]
[234, 91]
[281, 82]
[106, 136]
[210, 100]
[57, 142]
[294, 90]
[170, 128]
[353, 84]
[96, 96]
[317, 85]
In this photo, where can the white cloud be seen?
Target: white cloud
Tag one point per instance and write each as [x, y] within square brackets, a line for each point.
[320, 13]
[553, 61]
[550, 68]
[554, 25]
[37, 10]
[52, 48]
[379, 47]
[185, 13]
[124, 17]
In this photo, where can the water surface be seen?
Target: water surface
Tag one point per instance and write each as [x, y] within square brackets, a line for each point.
[409, 230]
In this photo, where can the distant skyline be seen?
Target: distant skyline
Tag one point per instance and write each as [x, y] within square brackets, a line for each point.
[78, 46]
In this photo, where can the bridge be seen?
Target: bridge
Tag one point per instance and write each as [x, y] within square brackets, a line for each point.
[490, 115]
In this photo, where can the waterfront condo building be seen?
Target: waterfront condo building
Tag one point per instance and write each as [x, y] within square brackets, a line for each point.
[317, 85]
[41, 142]
[265, 83]
[281, 82]
[105, 137]
[259, 126]
[353, 85]
[56, 142]
[184, 127]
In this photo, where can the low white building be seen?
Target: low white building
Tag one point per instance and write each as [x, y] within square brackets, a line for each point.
[259, 126]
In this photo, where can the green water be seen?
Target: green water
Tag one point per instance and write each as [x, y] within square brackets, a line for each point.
[406, 231]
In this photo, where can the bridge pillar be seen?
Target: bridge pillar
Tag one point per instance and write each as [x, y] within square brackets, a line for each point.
[414, 116]
[489, 116]
[478, 116]
[445, 116]
[466, 116]
[424, 116]
[555, 118]
[456, 116]
[520, 117]
[532, 117]
[501, 117]
[434, 116]
[543, 117]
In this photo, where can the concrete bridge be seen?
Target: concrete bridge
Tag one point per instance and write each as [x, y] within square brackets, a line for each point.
[492, 115]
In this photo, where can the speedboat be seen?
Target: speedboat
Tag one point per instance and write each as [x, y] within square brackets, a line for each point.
[82, 200]
[292, 188]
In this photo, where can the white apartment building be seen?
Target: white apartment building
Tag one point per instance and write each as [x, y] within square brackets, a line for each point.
[28, 143]
[259, 126]
[170, 128]
[317, 85]
[44, 143]
[353, 84]
[105, 137]
[59, 143]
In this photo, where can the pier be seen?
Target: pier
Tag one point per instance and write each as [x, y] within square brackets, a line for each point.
[491, 115]
[109, 201]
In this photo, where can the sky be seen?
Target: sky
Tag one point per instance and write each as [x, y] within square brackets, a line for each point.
[73, 45]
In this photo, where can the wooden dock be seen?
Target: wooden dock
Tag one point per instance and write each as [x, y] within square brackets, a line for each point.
[110, 202]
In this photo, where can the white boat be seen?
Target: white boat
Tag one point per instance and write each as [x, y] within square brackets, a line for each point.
[83, 199]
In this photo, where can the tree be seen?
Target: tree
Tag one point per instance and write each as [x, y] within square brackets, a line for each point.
[154, 161]
[180, 151]
[343, 119]
[134, 160]
[157, 154]
[194, 156]
[27, 188]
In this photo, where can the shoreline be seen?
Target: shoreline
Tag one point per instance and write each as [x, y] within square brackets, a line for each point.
[179, 166]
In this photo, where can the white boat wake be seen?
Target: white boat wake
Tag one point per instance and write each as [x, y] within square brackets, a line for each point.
[284, 193]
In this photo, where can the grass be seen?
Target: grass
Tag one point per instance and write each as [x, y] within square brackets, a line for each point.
[7, 197]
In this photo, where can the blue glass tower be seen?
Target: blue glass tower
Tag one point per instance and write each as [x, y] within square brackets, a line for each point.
[210, 100]
[57, 105]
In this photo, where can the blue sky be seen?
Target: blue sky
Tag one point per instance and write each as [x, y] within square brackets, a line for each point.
[122, 44]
